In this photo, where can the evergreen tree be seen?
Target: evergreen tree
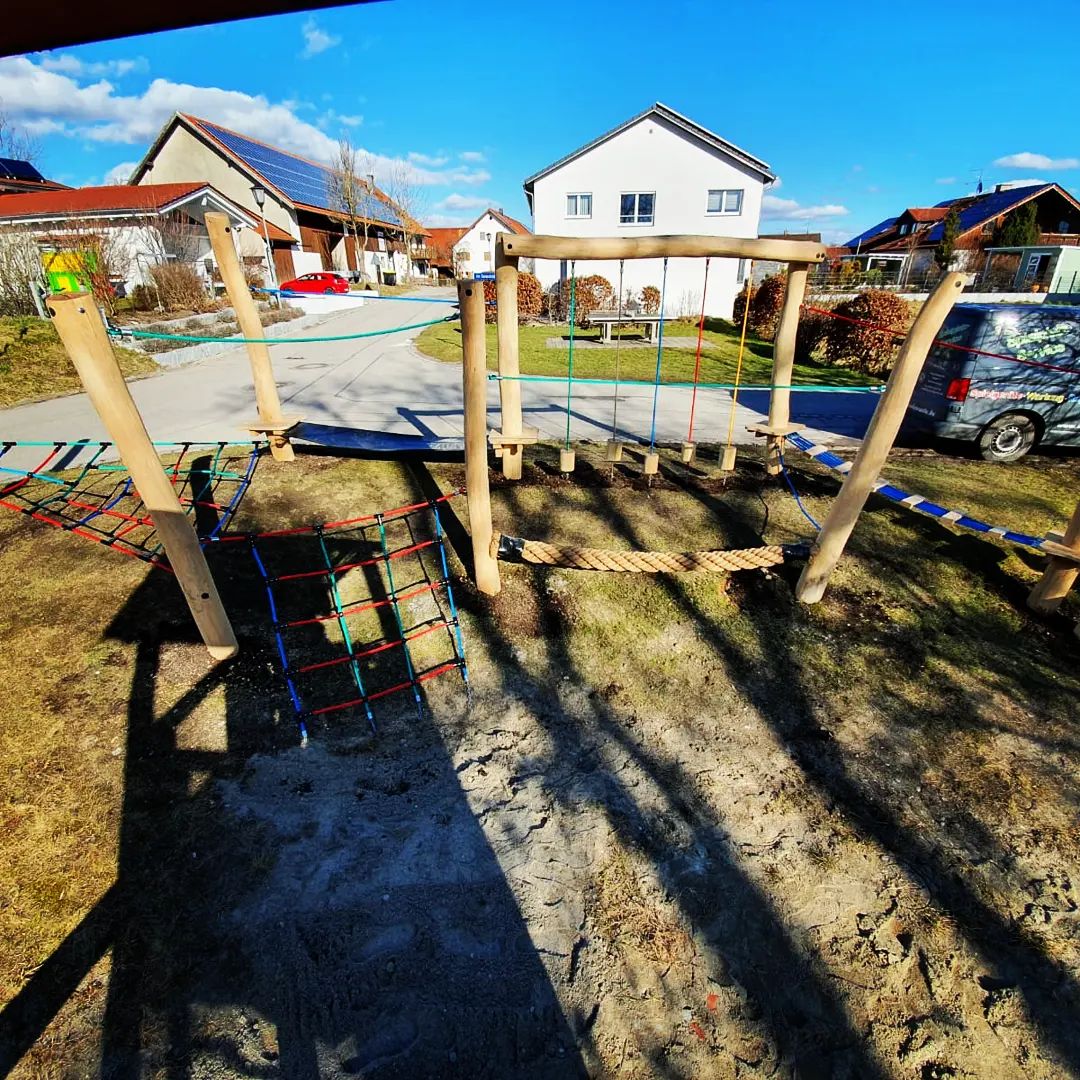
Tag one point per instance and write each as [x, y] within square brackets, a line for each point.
[950, 229]
[1019, 229]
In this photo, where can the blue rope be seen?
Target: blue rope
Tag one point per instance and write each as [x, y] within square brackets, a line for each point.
[353, 296]
[659, 356]
[806, 513]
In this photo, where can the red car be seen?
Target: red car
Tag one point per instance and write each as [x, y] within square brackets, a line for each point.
[317, 283]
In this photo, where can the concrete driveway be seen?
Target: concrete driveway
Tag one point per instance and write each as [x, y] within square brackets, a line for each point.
[384, 384]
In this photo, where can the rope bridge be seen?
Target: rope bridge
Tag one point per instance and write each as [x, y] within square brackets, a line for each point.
[514, 549]
[916, 502]
[363, 620]
[73, 486]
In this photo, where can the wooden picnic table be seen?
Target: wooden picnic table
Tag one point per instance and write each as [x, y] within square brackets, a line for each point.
[607, 319]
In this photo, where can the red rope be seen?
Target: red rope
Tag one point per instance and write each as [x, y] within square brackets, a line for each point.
[449, 666]
[938, 341]
[355, 609]
[411, 636]
[697, 357]
[399, 554]
[389, 515]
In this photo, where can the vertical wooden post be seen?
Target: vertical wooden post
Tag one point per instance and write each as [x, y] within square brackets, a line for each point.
[783, 364]
[271, 421]
[474, 387]
[1060, 574]
[506, 300]
[878, 441]
[78, 322]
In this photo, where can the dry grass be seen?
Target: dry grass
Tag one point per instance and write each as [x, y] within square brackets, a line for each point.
[625, 917]
[33, 364]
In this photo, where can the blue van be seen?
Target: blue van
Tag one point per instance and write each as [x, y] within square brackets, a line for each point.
[1026, 393]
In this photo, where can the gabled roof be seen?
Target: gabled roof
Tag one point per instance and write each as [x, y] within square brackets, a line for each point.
[297, 180]
[273, 233]
[869, 234]
[443, 241]
[504, 219]
[109, 200]
[663, 112]
[925, 213]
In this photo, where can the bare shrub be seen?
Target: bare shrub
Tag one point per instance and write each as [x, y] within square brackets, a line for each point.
[180, 287]
[591, 293]
[20, 271]
[849, 344]
[530, 299]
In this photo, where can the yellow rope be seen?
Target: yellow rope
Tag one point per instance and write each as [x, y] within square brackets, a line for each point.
[649, 562]
[742, 347]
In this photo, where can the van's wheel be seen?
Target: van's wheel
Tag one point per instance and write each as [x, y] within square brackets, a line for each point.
[1008, 437]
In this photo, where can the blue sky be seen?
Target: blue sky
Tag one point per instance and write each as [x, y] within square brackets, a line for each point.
[860, 108]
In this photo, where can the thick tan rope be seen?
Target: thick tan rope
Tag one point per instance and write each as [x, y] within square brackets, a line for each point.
[648, 562]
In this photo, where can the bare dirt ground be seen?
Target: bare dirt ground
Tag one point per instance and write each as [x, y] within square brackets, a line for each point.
[684, 828]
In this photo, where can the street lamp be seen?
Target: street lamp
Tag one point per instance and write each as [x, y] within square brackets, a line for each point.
[259, 194]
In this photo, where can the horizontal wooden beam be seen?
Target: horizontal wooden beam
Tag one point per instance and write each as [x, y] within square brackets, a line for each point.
[652, 247]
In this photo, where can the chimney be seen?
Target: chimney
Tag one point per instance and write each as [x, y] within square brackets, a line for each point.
[371, 178]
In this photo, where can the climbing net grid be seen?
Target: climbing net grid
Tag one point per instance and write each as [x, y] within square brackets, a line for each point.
[75, 486]
[362, 619]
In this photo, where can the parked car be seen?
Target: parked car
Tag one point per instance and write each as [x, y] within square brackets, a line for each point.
[322, 282]
[1010, 381]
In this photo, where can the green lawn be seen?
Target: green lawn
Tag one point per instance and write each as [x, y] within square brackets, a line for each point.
[637, 358]
[33, 364]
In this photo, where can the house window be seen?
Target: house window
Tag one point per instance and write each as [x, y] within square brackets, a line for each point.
[487, 256]
[740, 273]
[722, 201]
[905, 229]
[465, 256]
[637, 208]
[579, 205]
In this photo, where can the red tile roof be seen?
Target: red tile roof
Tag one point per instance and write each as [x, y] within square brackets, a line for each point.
[512, 224]
[95, 200]
[443, 241]
[926, 213]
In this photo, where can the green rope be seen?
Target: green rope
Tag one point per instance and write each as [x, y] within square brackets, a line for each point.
[274, 341]
[570, 362]
[798, 387]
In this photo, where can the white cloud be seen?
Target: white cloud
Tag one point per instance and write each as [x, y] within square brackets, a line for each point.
[49, 102]
[462, 202]
[120, 174]
[1029, 182]
[475, 157]
[316, 39]
[427, 159]
[350, 121]
[775, 209]
[1028, 160]
[446, 221]
[69, 64]
[949, 180]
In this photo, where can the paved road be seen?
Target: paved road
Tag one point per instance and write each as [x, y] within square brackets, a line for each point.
[384, 384]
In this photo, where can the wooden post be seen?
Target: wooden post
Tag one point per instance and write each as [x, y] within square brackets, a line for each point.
[1060, 573]
[474, 388]
[878, 441]
[783, 364]
[271, 421]
[506, 300]
[78, 322]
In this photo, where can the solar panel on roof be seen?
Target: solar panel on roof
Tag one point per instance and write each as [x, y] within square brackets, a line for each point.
[18, 170]
[985, 208]
[302, 181]
[874, 230]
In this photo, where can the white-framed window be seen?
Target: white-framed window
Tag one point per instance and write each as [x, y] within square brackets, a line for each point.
[724, 201]
[465, 256]
[487, 256]
[637, 207]
[579, 205]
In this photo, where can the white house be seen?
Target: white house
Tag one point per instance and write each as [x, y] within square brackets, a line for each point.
[474, 252]
[658, 173]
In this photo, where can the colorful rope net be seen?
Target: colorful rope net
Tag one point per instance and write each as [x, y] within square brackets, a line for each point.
[371, 615]
[75, 486]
